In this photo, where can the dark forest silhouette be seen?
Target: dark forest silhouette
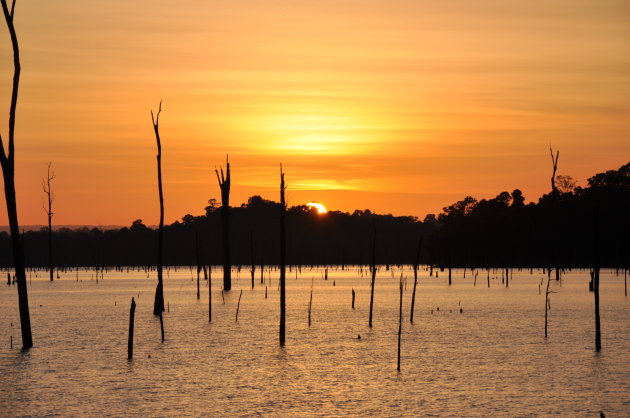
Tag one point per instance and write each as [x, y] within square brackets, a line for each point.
[498, 232]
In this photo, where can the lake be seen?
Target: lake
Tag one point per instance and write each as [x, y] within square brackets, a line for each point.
[491, 359]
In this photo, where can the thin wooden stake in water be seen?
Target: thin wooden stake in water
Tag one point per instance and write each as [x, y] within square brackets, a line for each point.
[310, 304]
[238, 305]
[353, 298]
[400, 323]
[373, 268]
[130, 342]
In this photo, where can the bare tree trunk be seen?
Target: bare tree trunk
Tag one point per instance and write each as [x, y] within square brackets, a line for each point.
[132, 311]
[251, 252]
[209, 293]
[400, 323]
[554, 196]
[415, 279]
[225, 183]
[283, 209]
[238, 305]
[373, 268]
[310, 304]
[598, 336]
[198, 262]
[158, 304]
[50, 197]
[7, 160]
[547, 302]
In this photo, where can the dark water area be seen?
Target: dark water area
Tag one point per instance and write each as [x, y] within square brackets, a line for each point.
[491, 359]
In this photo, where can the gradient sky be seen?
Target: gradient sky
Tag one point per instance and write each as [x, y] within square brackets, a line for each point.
[400, 106]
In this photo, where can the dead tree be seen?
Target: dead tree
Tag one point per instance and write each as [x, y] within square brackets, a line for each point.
[547, 301]
[310, 303]
[7, 160]
[209, 293]
[373, 269]
[415, 279]
[132, 311]
[198, 262]
[400, 323]
[554, 197]
[158, 304]
[283, 210]
[251, 252]
[224, 184]
[238, 305]
[50, 197]
[598, 335]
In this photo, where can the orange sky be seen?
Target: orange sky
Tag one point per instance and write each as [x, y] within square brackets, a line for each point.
[400, 106]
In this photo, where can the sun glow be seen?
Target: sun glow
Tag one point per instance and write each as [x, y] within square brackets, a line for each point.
[320, 208]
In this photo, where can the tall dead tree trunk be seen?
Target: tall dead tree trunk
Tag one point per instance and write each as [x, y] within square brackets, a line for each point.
[251, 252]
[224, 184]
[554, 196]
[373, 269]
[158, 304]
[415, 279]
[50, 197]
[210, 293]
[547, 302]
[400, 322]
[283, 209]
[198, 262]
[7, 160]
[132, 312]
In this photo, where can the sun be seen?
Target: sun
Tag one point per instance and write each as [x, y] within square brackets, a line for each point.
[320, 208]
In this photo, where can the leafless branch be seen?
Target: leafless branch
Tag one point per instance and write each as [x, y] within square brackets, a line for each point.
[156, 119]
[554, 163]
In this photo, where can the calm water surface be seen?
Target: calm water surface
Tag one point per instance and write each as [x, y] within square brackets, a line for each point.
[491, 359]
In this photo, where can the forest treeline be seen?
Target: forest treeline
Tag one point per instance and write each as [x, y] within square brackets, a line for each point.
[560, 230]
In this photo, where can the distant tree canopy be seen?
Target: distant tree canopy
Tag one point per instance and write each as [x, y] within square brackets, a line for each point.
[505, 232]
[502, 231]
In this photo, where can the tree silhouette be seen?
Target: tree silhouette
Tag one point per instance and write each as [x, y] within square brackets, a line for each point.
[554, 197]
[283, 211]
[565, 183]
[158, 304]
[50, 197]
[7, 160]
[224, 184]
